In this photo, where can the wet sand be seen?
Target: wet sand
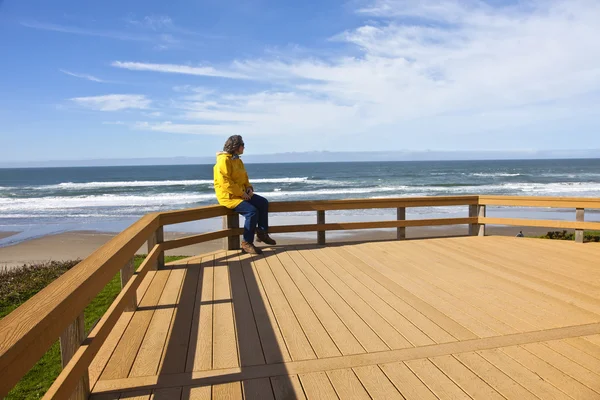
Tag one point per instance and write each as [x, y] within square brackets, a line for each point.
[7, 234]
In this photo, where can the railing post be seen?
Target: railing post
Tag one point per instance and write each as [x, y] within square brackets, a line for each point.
[401, 216]
[231, 221]
[70, 340]
[320, 220]
[156, 238]
[126, 273]
[579, 217]
[476, 211]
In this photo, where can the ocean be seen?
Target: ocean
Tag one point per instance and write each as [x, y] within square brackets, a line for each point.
[41, 201]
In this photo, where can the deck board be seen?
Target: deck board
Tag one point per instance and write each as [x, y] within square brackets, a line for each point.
[412, 314]
[339, 332]
[361, 330]
[470, 317]
[550, 373]
[126, 350]
[522, 375]
[257, 389]
[411, 387]
[177, 344]
[509, 305]
[322, 344]
[225, 344]
[250, 350]
[346, 384]
[293, 334]
[413, 336]
[377, 383]
[149, 355]
[199, 354]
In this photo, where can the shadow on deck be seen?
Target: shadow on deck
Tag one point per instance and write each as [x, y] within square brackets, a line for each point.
[468, 317]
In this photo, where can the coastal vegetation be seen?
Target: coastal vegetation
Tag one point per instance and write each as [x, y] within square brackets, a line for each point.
[588, 236]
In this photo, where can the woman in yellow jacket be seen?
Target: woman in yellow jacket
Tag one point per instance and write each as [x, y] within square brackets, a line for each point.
[234, 191]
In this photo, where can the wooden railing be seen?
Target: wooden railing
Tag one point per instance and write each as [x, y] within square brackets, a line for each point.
[57, 311]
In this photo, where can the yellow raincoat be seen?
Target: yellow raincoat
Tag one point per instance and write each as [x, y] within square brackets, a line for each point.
[231, 180]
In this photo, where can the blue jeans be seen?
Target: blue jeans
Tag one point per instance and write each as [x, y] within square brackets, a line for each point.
[256, 211]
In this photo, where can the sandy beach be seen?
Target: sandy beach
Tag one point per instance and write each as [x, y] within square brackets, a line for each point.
[80, 244]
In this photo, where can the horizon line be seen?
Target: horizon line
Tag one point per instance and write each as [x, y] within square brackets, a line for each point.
[122, 162]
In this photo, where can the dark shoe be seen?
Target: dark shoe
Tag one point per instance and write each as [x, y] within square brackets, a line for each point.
[262, 236]
[250, 248]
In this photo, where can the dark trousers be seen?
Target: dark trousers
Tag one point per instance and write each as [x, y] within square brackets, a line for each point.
[256, 211]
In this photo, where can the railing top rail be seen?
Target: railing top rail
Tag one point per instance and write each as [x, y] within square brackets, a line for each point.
[192, 214]
[27, 332]
[538, 201]
[390, 202]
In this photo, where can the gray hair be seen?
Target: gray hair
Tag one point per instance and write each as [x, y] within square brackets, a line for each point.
[233, 143]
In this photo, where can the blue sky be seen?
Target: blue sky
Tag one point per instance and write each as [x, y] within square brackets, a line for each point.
[118, 79]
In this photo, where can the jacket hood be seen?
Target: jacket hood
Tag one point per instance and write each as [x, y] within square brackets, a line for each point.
[226, 154]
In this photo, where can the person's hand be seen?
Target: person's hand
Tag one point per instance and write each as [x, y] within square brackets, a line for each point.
[246, 196]
[250, 192]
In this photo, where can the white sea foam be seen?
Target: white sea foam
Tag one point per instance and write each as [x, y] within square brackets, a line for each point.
[495, 174]
[127, 204]
[572, 188]
[107, 200]
[97, 185]
[327, 192]
[72, 215]
[571, 175]
[189, 182]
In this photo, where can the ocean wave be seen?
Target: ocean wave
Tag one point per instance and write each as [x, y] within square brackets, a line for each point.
[322, 192]
[98, 185]
[571, 175]
[494, 174]
[107, 200]
[572, 188]
[153, 202]
[192, 182]
[73, 215]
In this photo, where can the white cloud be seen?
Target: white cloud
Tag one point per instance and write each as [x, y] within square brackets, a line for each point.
[113, 102]
[154, 22]
[170, 127]
[177, 69]
[419, 69]
[152, 34]
[83, 76]
[85, 31]
[153, 114]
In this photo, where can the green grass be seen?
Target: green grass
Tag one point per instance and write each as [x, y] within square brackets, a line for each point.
[588, 236]
[19, 285]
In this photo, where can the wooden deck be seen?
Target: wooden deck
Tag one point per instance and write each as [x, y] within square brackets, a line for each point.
[453, 318]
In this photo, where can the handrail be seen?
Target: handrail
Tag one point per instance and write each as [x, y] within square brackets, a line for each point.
[27, 333]
[192, 214]
[354, 204]
[535, 201]
[86, 352]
